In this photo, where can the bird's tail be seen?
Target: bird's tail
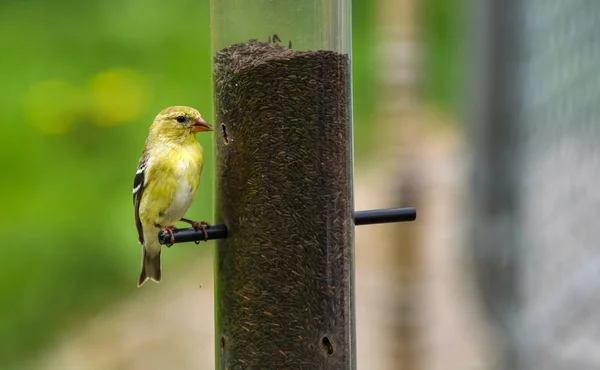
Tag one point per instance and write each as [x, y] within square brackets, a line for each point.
[151, 268]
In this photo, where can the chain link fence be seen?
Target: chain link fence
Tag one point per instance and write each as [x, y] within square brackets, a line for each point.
[535, 129]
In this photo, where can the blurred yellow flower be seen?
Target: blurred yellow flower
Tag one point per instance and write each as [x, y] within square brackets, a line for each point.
[53, 106]
[118, 96]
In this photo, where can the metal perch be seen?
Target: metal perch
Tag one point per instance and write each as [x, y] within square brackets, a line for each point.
[370, 217]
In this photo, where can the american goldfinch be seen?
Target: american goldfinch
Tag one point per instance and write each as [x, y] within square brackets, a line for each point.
[166, 181]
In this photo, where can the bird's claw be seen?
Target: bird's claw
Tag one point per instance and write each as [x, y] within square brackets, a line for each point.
[202, 225]
[169, 230]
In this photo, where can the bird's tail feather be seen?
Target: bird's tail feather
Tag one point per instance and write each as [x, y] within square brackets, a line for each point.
[151, 267]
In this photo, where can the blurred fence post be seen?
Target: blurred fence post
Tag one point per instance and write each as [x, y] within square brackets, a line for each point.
[407, 281]
[493, 136]
[558, 189]
[535, 137]
[398, 107]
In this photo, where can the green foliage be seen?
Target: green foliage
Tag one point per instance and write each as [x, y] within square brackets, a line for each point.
[444, 31]
[74, 122]
[364, 77]
[81, 83]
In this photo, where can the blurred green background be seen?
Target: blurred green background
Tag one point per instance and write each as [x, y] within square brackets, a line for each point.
[81, 82]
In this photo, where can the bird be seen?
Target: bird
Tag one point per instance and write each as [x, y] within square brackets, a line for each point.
[166, 182]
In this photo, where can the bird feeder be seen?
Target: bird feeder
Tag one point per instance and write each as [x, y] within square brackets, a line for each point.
[284, 268]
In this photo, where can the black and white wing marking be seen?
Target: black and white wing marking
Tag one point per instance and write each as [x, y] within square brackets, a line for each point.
[139, 183]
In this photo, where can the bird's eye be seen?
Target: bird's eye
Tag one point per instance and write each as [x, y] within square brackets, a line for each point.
[180, 119]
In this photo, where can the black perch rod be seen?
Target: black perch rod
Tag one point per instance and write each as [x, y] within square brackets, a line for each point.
[370, 217]
[381, 216]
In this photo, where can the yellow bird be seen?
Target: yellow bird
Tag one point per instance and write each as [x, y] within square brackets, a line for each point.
[166, 181]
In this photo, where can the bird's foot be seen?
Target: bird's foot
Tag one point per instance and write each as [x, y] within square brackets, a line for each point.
[169, 230]
[202, 225]
[198, 225]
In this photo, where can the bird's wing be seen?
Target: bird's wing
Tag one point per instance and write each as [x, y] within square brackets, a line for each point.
[139, 183]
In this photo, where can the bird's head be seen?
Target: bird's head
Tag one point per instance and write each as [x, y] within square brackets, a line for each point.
[179, 122]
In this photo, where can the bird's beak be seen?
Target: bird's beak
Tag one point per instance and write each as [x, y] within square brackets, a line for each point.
[201, 125]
